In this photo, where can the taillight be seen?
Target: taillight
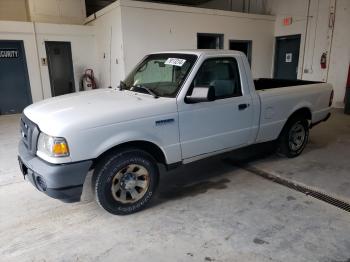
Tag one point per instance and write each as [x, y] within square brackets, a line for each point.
[331, 99]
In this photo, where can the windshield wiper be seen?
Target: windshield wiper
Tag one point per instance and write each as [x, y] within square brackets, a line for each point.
[149, 91]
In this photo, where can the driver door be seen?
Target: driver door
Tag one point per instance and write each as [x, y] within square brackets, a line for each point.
[223, 124]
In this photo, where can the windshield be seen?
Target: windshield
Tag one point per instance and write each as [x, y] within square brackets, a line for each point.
[161, 74]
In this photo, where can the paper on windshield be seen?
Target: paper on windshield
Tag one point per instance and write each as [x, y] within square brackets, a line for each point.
[175, 61]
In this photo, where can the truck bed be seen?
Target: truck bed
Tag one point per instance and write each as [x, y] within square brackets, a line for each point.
[269, 83]
[280, 98]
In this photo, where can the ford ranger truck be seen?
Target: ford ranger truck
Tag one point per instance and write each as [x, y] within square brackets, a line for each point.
[172, 109]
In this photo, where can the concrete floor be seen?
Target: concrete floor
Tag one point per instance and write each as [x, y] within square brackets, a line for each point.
[206, 211]
[324, 164]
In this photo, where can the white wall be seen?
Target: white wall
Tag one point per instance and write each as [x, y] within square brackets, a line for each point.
[57, 11]
[82, 42]
[13, 10]
[114, 42]
[109, 46]
[340, 52]
[320, 38]
[298, 11]
[149, 27]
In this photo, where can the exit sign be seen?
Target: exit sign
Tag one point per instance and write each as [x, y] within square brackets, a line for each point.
[287, 21]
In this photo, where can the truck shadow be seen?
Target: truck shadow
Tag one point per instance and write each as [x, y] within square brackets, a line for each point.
[209, 174]
[215, 173]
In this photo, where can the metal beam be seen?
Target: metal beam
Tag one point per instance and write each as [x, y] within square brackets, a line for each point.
[93, 6]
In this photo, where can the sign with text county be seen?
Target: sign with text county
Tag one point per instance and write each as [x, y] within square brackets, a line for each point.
[9, 53]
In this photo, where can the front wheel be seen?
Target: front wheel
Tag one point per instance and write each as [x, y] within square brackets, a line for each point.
[126, 181]
[294, 137]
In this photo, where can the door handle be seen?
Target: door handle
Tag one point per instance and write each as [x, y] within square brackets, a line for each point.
[243, 106]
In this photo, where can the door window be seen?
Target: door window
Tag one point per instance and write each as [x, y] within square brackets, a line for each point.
[222, 74]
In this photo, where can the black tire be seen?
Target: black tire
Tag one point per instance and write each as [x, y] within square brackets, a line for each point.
[287, 146]
[113, 174]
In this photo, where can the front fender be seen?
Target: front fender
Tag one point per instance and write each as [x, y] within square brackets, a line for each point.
[91, 143]
[126, 137]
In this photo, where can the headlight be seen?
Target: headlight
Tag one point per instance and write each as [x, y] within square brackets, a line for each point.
[52, 146]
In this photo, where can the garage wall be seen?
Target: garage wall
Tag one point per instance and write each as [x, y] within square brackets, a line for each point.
[82, 41]
[83, 50]
[13, 10]
[109, 45]
[45, 11]
[57, 11]
[318, 33]
[320, 38]
[340, 52]
[168, 27]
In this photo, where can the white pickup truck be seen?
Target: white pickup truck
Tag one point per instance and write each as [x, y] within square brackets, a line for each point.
[172, 109]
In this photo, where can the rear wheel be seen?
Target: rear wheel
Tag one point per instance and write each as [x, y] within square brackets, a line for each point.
[294, 137]
[126, 181]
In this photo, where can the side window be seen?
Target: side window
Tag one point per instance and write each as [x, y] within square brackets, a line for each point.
[222, 74]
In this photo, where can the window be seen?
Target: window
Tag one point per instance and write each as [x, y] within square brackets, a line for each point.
[163, 74]
[244, 46]
[222, 74]
[210, 41]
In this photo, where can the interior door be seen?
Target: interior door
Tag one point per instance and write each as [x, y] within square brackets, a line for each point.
[221, 124]
[59, 56]
[15, 92]
[287, 57]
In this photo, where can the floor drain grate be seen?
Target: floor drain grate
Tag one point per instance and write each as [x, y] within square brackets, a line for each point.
[298, 187]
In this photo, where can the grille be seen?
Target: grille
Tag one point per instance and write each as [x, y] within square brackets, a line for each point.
[30, 134]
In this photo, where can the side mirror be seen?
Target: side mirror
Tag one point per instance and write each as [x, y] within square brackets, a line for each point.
[201, 94]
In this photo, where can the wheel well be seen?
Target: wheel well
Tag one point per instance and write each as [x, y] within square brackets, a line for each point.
[149, 147]
[303, 112]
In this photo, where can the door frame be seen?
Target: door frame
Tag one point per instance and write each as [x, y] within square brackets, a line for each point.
[28, 88]
[48, 63]
[250, 47]
[277, 38]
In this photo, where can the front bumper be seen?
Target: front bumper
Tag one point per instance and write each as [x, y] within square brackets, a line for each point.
[63, 181]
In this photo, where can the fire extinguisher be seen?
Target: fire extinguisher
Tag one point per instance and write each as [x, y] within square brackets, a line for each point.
[323, 61]
[88, 80]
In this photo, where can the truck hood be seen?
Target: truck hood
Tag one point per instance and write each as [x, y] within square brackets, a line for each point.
[95, 108]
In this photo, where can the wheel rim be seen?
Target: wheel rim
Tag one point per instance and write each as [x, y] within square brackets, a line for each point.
[130, 183]
[297, 136]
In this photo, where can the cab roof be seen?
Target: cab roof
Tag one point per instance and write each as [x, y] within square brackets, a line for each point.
[202, 52]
